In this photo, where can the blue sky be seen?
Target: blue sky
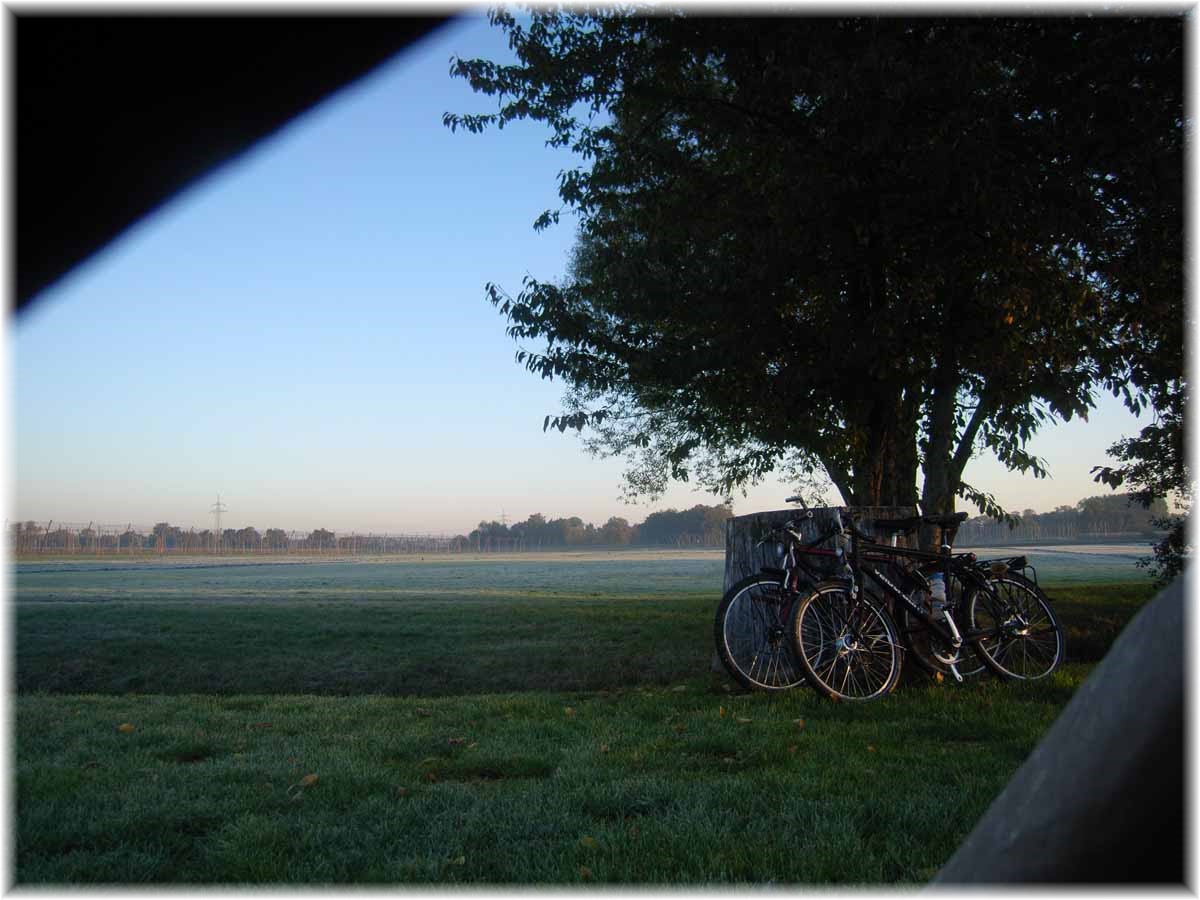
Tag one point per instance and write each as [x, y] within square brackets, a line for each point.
[305, 332]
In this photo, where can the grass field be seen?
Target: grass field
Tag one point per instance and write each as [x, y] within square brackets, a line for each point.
[548, 721]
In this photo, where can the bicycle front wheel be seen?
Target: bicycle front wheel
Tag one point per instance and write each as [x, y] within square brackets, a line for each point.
[751, 633]
[848, 649]
[1015, 631]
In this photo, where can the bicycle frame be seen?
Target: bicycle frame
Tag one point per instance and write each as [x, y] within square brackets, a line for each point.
[795, 547]
[863, 548]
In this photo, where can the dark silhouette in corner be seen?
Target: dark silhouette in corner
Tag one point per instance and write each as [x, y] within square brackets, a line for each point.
[1101, 798]
[116, 114]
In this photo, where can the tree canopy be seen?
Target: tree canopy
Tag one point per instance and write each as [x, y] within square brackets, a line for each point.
[862, 246]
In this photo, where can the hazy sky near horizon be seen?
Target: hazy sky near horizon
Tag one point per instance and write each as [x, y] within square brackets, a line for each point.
[304, 331]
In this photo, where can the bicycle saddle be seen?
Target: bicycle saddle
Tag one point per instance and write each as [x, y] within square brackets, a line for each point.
[909, 524]
[947, 521]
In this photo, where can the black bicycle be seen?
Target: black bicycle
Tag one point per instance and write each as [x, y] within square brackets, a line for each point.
[752, 631]
[849, 647]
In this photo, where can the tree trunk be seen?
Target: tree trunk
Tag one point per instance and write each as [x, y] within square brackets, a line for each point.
[937, 492]
[885, 464]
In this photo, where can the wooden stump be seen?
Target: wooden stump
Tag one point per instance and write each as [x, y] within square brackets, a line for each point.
[743, 559]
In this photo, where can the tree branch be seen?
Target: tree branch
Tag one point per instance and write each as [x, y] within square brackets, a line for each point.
[962, 453]
[840, 477]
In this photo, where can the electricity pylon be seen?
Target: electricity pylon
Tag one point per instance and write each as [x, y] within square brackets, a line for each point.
[216, 510]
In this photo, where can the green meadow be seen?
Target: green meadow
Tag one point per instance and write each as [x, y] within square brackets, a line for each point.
[545, 720]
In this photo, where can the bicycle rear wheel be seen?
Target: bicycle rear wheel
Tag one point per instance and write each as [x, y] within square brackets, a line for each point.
[849, 649]
[751, 633]
[1015, 631]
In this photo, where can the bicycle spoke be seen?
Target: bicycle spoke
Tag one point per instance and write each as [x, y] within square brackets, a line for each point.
[846, 647]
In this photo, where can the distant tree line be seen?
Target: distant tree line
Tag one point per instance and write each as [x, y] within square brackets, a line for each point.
[1113, 516]
[700, 526]
[31, 537]
[1104, 517]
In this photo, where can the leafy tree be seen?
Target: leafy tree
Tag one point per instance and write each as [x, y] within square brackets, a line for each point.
[573, 530]
[1154, 463]
[491, 536]
[247, 538]
[1144, 265]
[864, 246]
[616, 532]
[165, 536]
[532, 532]
[700, 525]
[275, 539]
[320, 539]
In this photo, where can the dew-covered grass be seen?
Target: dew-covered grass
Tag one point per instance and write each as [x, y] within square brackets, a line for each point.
[509, 722]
